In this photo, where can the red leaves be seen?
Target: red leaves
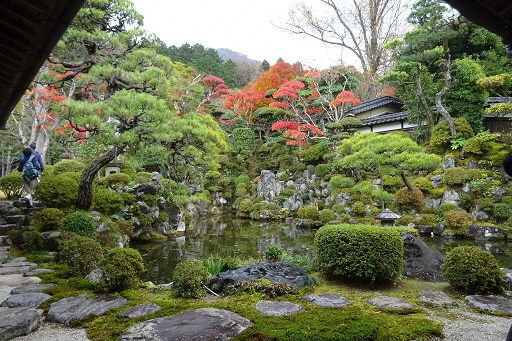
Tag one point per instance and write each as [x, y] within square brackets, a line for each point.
[345, 97]
[296, 133]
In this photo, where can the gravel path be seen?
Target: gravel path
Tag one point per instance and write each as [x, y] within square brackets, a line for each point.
[48, 331]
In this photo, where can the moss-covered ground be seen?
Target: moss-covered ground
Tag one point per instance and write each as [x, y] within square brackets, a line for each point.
[359, 321]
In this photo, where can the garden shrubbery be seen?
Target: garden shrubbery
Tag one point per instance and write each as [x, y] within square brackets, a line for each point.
[121, 268]
[107, 201]
[59, 191]
[406, 199]
[78, 222]
[189, 278]
[81, 254]
[11, 185]
[48, 219]
[472, 271]
[360, 253]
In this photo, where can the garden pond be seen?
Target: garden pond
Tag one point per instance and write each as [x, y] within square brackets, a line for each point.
[225, 236]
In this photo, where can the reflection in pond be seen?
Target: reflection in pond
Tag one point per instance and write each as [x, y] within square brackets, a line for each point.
[225, 236]
[221, 236]
[502, 250]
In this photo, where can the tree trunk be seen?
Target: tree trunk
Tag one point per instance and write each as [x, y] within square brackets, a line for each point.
[447, 81]
[406, 181]
[84, 199]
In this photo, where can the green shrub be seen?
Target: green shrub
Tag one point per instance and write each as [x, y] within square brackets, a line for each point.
[361, 253]
[311, 212]
[66, 166]
[501, 212]
[32, 241]
[273, 253]
[116, 180]
[301, 213]
[507, 200]
[422, 183]
[60, 191]
[339, 181]
[142, 177]
[81, 254]
[392, 183]
[321, 170]
[107, 201]
[440, 139]
[48, 219]
[243, 139]
[358, 208]
[325, 215]
[78, 222]
[486, 204]
[472, 271]
[457, 176]
[406, 199]
[189, 278]
[445, 208]
[121, 268]
[482, 188]
[214, 265]
[128, 198]
[11, 185]
[456, 219]
[480, 143]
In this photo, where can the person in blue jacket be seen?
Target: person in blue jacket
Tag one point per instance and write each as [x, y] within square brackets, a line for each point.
[40, 166]
[28, 182]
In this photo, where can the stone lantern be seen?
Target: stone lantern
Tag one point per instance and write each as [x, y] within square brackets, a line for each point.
[387, 217]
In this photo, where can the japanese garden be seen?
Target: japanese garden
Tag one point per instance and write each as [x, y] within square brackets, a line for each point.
[270, 201]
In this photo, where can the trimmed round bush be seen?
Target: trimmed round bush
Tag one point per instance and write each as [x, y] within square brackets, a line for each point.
[360, 253]
[457, 176]
[11, 185]
[59, 191]
[406, 199]
[311, 212]
[116, 180]
[325, 215]
[189, 277]
[121, 268]
[456, 219]
[81, 254]
[358, 208]
[441, 137]
[472, 271]
[339, 181]
[66, 166]
[48, 219]
[107, 201]
[78, 222]
[501, 212]
[321, 170]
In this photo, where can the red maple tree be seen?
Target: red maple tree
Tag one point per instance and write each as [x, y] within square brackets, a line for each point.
[296, 133]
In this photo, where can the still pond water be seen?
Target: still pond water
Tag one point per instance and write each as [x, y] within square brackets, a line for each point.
[225, 236]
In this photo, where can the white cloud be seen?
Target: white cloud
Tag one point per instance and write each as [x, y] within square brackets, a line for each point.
[239, 25]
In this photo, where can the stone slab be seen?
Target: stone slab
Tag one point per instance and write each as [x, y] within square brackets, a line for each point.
[327, 300]
[389, 303]
[76, 308]
[194, 325]
[273, 308]
[490, 303]
[17, 322]
[140, 310]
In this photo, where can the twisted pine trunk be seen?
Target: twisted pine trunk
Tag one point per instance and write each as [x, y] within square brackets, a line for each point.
[84, 199]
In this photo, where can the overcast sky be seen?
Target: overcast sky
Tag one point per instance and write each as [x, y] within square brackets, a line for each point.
[243, 26]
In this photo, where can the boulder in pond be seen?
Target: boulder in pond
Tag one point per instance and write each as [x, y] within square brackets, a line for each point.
[278, 272]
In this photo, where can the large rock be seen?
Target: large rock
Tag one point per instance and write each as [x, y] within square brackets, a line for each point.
[31, 288]
[487, 232]
[490, 303]
[200, 324]
[280, 272]
[78, 307]
[420, 261]
[17, 322]
[436, 298]
[267, 185]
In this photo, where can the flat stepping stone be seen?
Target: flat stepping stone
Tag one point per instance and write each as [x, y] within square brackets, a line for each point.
[199, 324]
[327, 300]
[17, 322]
[436, 299]
[16, 280]
[16, 268]
[32, 288]
[140, 310]
[38, 271]
[29, 300]
[490, 303]
[278, 308]
[389, 303]
[78, 307]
